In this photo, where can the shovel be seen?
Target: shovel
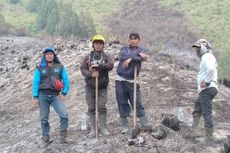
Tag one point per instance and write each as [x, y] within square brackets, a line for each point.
[96, 106]
[135, 98]
[136, 129]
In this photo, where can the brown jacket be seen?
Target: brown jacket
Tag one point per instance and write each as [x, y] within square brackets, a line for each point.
[105, 65]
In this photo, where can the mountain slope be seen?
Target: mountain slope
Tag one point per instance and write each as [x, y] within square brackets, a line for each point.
[175, 25]
[166, 85]
[18, 16]
[213, 20]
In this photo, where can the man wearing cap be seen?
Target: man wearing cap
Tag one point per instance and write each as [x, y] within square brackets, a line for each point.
[131, 56]
[97, 63]
[207, 87]
[49, 76]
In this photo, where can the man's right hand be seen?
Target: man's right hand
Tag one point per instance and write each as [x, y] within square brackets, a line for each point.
[35, 102]
[95, 73]
[126, 63]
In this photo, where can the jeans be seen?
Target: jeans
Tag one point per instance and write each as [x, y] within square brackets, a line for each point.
[102, 100]
[124, 95]
[203, 106]
[44, 104]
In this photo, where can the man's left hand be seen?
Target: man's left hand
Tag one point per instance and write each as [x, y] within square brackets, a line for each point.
[61, 97]
[203, 84]
[143, 56]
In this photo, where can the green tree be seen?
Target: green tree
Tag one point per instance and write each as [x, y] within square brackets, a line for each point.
[69, 22]
[60, 19]
[33, 5]
[14, 1]
[2, 18]
[87, 26]
[52, 21]
[46, 8]
[4, 26]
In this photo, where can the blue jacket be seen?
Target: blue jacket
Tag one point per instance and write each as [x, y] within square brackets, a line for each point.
[43, 76]
[133, 53]
[37, 81]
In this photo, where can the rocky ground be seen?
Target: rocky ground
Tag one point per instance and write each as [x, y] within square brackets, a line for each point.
[167, 86]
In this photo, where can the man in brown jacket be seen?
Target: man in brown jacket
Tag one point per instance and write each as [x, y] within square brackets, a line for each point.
[97, 64]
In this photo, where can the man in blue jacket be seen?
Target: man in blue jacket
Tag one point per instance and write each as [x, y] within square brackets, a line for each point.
[49, 77]
[131, 56]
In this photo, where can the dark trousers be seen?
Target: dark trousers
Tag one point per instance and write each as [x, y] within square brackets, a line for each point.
[124, 95]
[203, 106]
[102, 100]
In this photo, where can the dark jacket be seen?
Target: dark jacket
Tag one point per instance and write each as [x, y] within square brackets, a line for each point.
[105, 62]
[133, 53]
[44, 75]
[42, 80]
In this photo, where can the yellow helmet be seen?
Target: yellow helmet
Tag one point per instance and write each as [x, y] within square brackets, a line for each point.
[98, 38]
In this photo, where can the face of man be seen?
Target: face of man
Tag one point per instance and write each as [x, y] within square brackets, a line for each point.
[49, 57]
[198, 52]
[98, 46]
[134, 42]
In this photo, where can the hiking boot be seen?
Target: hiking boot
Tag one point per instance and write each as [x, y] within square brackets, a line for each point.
[209, 135]
[92, 126]
[144, 123]
[192, 133]
[102, 122]
[63, 136]
[196, 121]
[45, 139]
[125, 126]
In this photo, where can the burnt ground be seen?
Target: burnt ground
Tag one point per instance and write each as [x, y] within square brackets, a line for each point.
[166, 85]
[160, 28]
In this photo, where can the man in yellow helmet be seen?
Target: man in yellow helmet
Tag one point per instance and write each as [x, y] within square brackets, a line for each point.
[97, 64]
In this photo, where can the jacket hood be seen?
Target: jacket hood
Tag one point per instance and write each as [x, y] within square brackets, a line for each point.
[43, 62]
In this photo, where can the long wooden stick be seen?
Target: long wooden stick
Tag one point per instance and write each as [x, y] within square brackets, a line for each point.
[135, 97]
[96, 106]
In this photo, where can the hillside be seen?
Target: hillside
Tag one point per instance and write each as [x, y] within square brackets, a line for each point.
[188, 16]
[175, 25]
[19, 16]
[212, 18]
[167, 81]
[167, 87]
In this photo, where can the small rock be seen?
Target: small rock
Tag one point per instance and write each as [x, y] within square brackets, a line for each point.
[7, 47]
[227, 146]
[23, 62]
[24, 66]
[140, 141]
[131, 142]
[172, 122]
[25, 58]
[159, 132]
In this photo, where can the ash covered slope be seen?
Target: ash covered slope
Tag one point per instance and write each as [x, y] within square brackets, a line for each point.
[161, 28]
[166, 85]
